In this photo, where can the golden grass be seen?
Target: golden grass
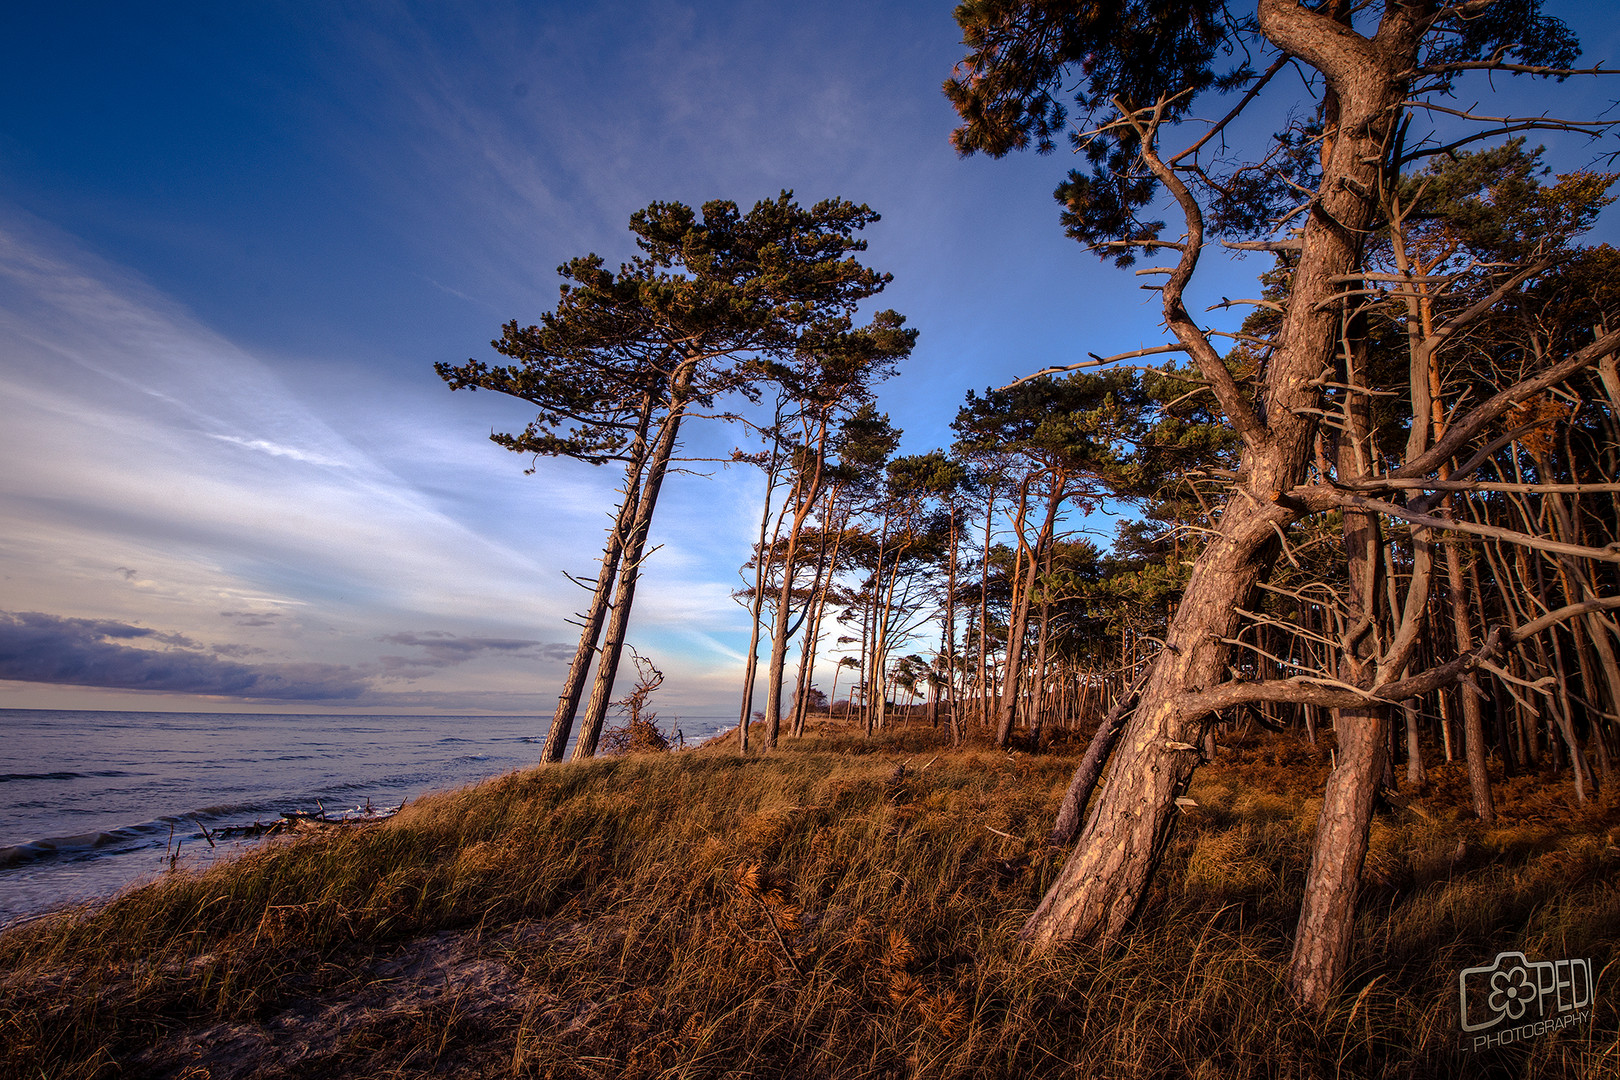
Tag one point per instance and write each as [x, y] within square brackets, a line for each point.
[815, 912]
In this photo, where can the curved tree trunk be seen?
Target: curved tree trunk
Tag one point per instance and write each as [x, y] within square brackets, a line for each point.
[1104, 880]
[1327, 913]
[1105, 877]
[562, 722]
[762, 552]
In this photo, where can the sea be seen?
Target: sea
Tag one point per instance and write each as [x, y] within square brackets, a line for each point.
[92, 802]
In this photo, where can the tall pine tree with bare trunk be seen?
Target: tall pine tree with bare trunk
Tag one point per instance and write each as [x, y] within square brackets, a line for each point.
[616, 368]
[1314, 198]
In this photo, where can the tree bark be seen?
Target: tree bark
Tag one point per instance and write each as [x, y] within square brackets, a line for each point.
[984, 611]
[1106, 877]
[1479, 777]
[1327, 916]
[1416, 778]
[624, 594]
[812, 629]
[1090, 771]
[1037, 701]
[562, 721]
[1327, 913]
[806, 490]
[756, 604]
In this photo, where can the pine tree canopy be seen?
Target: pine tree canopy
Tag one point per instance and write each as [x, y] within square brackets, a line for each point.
[719, 289]
[1024, 58]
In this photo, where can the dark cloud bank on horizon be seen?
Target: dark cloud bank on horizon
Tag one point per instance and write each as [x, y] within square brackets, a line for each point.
[36, 647]
[40, 648]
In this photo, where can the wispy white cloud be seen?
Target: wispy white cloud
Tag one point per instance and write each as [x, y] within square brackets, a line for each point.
[164, 474]
[138, 438]
[351, 492]
[265, 446]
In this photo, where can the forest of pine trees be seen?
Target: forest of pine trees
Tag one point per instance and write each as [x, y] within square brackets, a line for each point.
[1382, 513]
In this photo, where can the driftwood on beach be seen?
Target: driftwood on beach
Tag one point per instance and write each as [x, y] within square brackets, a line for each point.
[301, 821]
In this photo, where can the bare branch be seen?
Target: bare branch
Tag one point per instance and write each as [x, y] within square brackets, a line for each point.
[1276, 66]
[1098, 361]
[1292, 244]
[1385, 484]
[1543, 121]
[1478, 136]
[1308, 690]
[1516, 69]
[1225, 303]
[1299, 690]
[1463, 430]
[1232, 400]
[1458, 321]
[1323, 496]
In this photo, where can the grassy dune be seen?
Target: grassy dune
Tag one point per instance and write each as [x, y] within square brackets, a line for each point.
[817, 912]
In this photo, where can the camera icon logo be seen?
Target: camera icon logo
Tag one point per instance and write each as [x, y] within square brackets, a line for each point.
[1513, 990]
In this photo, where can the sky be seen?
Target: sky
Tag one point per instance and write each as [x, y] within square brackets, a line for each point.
[234, 240]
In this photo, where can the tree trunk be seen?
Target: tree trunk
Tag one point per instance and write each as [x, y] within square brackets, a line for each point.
[1038, 696]
[1327, 914]
[1416, 778]
[809, 645]
[1479, 777]
[807, 489]
[1090, 771]
[827, 569]
[984, 611]
[950, 630]
[1327, 917]
[1105, 878]
[625, 593]
[562, 722]
[756, 604]
[1019, 622]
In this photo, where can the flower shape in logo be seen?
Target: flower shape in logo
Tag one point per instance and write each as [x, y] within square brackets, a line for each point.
[1511, 991]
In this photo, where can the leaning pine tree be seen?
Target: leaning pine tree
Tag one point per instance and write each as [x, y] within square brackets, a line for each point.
[618, 365]
[1315, 198]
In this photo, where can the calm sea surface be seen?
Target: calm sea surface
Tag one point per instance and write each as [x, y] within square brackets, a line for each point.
[92, 801]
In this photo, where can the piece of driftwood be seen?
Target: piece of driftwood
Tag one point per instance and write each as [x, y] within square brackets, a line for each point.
[303, 820]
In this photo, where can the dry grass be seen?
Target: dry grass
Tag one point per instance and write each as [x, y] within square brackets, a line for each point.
[813, 913]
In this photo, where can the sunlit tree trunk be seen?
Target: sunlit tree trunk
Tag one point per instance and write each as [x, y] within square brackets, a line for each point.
[635, 544]
[826, 562]
[1106, 877]
[1327, 912]
[756, 601]
[562, 721]
[1018, 623]
[806, 490]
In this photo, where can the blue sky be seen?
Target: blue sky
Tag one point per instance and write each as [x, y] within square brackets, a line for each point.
[234, 239]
